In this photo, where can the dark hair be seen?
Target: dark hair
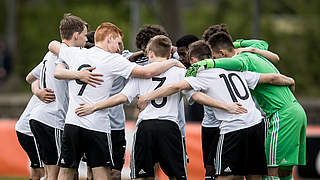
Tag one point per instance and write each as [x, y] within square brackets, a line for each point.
[146, 32]
[71, 24]
[200, 50]
[214, 29]
[160, 45]
[220, 40]
[186, 40]
[90, 41]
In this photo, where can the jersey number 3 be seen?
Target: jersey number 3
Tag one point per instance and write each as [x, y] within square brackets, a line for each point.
[84, 85]
[164, 99]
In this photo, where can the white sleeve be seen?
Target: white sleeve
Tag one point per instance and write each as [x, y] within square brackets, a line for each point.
[126, 54]
[252, 78]
[37, 70]
[131, 90]
[198, 83]
[66, 53]
[122, 67]
[188, 94]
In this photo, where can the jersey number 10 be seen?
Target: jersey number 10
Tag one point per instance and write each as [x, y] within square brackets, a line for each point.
[233, 91]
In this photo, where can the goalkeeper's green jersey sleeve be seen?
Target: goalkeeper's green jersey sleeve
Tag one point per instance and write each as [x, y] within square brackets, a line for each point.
[236, 63]
[259, 44]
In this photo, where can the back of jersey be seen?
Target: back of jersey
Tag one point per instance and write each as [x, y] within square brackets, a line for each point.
[162, 108]
[229, 86]
[108, 64]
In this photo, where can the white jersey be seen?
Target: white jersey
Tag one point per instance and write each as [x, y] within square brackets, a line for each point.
[22, 125]
[229, 86]
[110, 65]
[52, 114]
[163, 108]
[116, 114]
[209, 119]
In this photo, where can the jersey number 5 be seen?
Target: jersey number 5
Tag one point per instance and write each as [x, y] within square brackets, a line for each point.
[164, 99]
[233, 90]
[84, 85]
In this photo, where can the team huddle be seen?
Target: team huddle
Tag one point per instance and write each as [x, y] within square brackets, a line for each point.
[252, 126]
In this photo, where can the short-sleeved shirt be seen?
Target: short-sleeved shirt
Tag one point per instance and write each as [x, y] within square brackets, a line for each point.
[116, 113]
[229, 87]
[52, 114]
[162, 108]
[111, 65]
[22, 125]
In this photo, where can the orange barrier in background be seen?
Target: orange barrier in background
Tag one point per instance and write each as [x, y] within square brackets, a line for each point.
[14, 161]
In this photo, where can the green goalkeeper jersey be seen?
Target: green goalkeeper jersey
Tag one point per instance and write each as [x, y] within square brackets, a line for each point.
[271, 98]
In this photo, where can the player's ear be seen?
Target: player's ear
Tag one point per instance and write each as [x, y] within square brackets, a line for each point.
[222, 53]
[76, 35]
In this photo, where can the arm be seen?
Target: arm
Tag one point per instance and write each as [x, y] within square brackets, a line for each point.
[46, 95]
[251, 43]
[54, 47]
[274, 58]
[154, 68]
[235, 108]
[162, 91]
[276, 79]
[85, 108]
[85, 74]
[30, 78]
[236, 63]
[134, 57]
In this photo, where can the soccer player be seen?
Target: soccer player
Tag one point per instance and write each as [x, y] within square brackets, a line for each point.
[47, 119]
[286, 138]
[255, 46]
[117, 122]
[24, 134]
[91, 134]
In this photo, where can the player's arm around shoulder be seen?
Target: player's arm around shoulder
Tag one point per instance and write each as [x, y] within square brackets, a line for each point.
[277, 79]
[86, 108]
[54, 46]
[155, 68]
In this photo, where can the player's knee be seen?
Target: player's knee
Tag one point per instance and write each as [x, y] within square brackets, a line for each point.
[273, 171]
[285, 171]
[115, 174]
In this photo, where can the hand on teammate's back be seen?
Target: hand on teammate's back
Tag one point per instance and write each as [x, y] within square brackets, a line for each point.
[86, 75]
[236, 108]
[84, 109]
[46, 95]
[142, 103]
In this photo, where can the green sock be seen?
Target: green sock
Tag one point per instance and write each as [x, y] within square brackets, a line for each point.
[287, 178]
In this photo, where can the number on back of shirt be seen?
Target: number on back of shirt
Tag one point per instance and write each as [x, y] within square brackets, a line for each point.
[164, 99]
[83, 84]
[233, 90]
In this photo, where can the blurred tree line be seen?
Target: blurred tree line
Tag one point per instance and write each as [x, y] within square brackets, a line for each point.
[291, 27]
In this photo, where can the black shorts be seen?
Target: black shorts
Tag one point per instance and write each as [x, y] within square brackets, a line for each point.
[31, 148]
[210, 137]
[158, 141]
[78, 141]
[242, 152]
[118, 148]
[49, 141]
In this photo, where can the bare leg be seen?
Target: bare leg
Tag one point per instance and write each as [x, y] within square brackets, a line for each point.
[273, 171]
[37, 173]
[53, 171]
[66, 173]
[101, 173]
[89, 173]
[254, 177]
[115, 174]
[225, 177]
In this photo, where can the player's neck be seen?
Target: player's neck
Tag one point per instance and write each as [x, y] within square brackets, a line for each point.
[157, 59]
[69, 43]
